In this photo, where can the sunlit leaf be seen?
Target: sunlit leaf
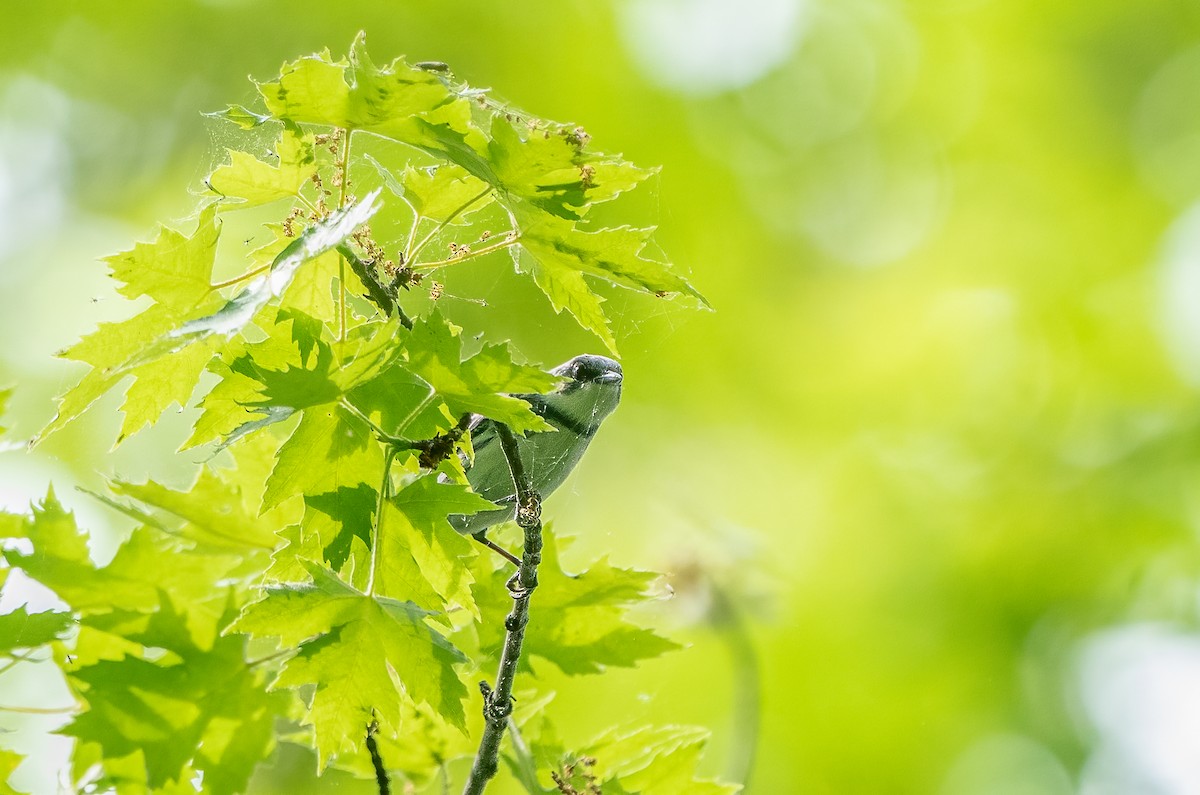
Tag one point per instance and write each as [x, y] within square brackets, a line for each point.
[251, 181]
[582, 624]
[349, 645]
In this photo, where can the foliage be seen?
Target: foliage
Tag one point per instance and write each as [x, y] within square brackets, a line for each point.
[310, 587]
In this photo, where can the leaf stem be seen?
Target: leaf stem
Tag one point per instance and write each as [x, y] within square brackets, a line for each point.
[425, 266]
[497, 703]
[268, 658]
[16, 660]
[236, 279]
[384, 487]
[393, 442]
[39, 710]
[411, 255]
[312, 208]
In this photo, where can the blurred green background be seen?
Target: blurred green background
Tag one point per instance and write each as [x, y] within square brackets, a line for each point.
[939, 444]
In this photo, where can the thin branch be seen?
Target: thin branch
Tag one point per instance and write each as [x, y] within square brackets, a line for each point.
[497, 703]
[383, 435]
[384, 487]
[426, 266]
[504, 553]
[411, 255]
[381, 776]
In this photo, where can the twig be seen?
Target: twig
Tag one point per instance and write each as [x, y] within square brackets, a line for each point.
[425, 266]
[381, 776]
[410, 255]
[504, 553]
[497, 703]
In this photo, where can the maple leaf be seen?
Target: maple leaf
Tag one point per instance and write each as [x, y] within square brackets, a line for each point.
[21, 629]
[330, 449]
[351, 645]
[580, 623]
[133, 580]
[422, 558]
[477, 384]
[175, 271]
[399, 101]
[251, 182]
[552, 170]
[192, 709]
[447, 193]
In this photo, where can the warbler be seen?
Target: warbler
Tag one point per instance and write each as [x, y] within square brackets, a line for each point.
[589, 392]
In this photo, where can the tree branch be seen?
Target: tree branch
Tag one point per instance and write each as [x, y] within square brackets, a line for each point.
[381, 776]
[497, 703]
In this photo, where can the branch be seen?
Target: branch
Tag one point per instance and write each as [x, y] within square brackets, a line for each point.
[497, 704]
[381, 776]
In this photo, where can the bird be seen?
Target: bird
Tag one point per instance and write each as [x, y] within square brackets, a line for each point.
[589, 392]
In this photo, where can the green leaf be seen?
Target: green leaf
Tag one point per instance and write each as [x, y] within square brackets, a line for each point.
[654, 761]
[133, 580]
[441, 192]
[350, 645]
[567, 289]
[175, 271]
[422, 558]
[314, 241]
[579, 620]
[235, 314]
[251, 182]
[21, 629]
[551, 170]
[337, 517]
[401, 403]
[8, 764]
[214, 511]
[352, 94]
[292, 368]
[230, 405]
[160, 384]
[478, 383]
[330, 449]
[196, 708]
[610, 254]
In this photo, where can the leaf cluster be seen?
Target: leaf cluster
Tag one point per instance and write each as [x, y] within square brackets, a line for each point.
[310, 585]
